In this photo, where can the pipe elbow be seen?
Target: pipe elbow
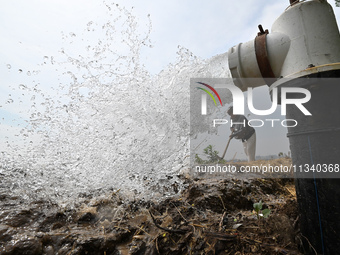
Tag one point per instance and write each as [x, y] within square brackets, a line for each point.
[259, 61]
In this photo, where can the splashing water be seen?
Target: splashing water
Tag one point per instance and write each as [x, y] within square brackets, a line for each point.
[110, 125]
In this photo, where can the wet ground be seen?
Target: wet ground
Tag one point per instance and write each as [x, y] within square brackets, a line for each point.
[210, 216]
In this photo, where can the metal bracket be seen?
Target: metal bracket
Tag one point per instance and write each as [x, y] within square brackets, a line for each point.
[262, 56]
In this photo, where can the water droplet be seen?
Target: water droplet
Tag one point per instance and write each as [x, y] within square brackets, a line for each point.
[9, 66]
[107, 144]
[22, 86]
[9, 101]
[20, 71]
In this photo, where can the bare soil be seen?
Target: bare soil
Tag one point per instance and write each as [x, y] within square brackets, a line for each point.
[208, 217]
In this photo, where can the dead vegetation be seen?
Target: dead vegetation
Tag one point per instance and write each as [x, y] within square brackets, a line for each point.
[208, 217]
[207, 221]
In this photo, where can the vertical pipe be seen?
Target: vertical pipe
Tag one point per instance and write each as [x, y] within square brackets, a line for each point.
[316, 142]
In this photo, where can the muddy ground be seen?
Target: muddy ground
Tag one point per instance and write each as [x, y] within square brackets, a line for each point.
[210, 216]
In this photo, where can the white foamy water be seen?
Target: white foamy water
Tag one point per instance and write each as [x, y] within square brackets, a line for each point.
[109, 124]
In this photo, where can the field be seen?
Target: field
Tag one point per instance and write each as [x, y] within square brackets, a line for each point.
[208, 216]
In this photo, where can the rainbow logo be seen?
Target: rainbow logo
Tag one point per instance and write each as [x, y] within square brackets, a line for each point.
[209, 93]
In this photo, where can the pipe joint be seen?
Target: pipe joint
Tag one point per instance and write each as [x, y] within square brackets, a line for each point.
[297, 40]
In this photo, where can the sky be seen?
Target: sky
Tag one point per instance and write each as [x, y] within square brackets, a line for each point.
[32, 32]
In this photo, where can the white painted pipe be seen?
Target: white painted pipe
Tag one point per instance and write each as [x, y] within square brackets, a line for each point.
[305, 35]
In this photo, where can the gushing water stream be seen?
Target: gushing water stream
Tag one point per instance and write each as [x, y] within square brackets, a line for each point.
[109, 124]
